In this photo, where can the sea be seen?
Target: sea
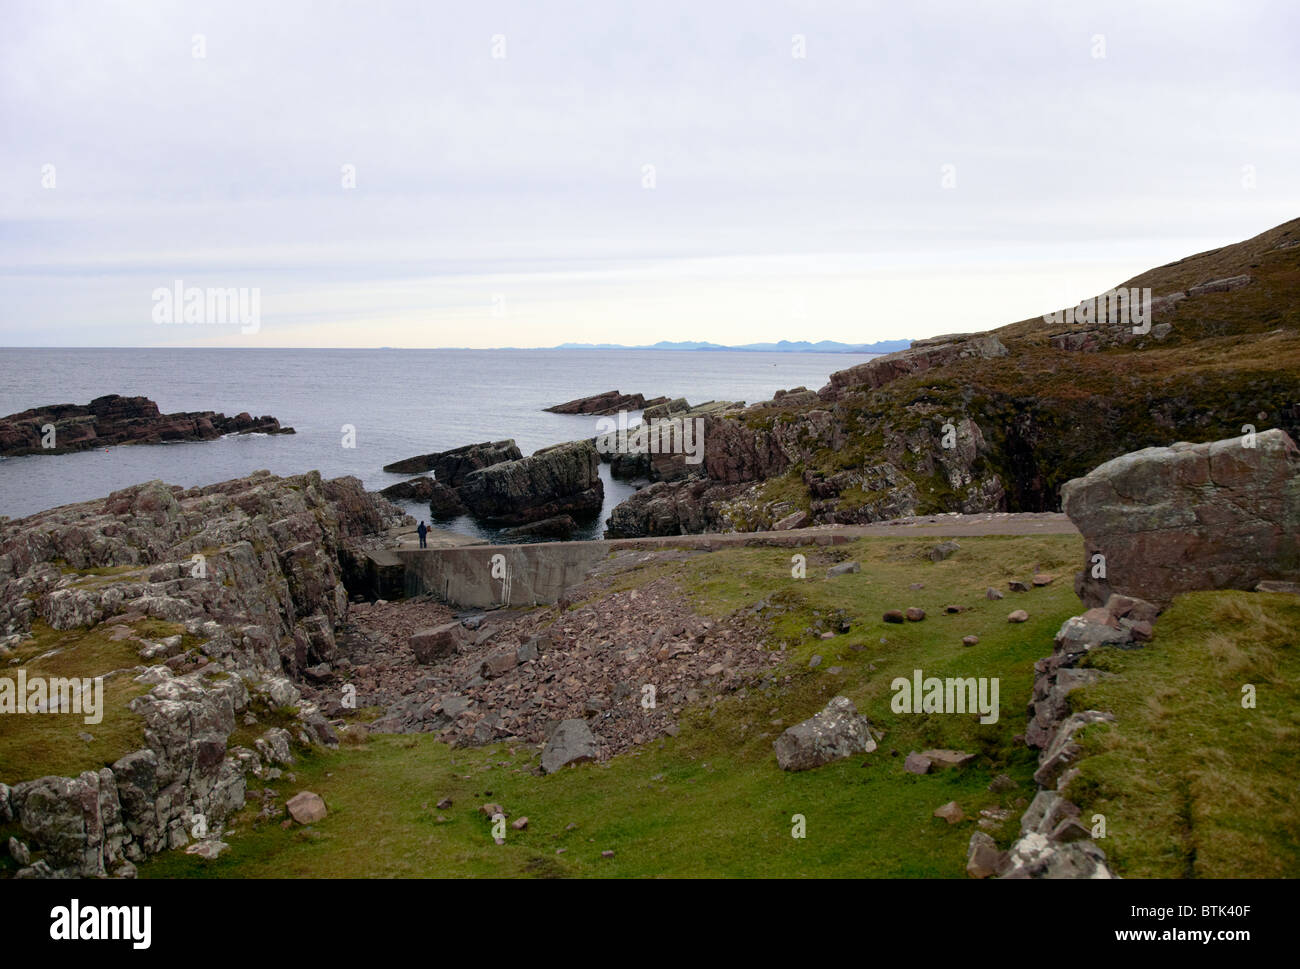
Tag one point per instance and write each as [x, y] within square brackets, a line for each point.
[397, 403]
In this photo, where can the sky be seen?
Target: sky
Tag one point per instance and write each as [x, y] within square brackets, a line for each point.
[529, 173]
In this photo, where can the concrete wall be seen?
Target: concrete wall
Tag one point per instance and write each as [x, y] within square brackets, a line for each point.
[533, 574]
[539, 573]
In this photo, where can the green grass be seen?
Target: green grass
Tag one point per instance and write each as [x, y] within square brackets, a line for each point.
[36, 745]
[1191, 783]
[711, 801]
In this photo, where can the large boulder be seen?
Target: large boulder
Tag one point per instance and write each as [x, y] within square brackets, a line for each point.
[437, 643]
[571, 743]
[306, 807]
[1221, 515]
[559, 480]
[837, 732]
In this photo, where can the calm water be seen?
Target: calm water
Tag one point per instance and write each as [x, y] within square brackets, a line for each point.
[401, 402]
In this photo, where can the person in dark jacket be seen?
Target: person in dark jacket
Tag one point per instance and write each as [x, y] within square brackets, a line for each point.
[423, 532]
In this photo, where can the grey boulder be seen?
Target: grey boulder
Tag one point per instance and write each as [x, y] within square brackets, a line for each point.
[838, 731]
[571, 743]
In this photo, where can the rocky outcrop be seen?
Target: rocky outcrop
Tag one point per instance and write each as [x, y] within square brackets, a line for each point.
[557, 529]
[667, 408]
[1104, 327]
[251, 570]
[671, 508]
[452, 467]
[115, 420]
[609, 402]
[838, 731]
[1166, 520]
[1054, 842]
[923, 355]
[413, 489]
[444, 502]
[726, 492]
[1156, 523]
[795, 397]
[559, 480]
[262, 548]
[183, 785]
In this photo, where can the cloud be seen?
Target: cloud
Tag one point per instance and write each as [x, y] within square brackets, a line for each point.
[478, 175]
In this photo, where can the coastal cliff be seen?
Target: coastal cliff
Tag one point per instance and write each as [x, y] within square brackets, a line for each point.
[999, 421]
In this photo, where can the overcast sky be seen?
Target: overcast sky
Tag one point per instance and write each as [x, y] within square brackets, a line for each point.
[500, 149]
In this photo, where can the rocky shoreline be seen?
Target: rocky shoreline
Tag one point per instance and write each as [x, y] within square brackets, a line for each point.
[113, 420]
[228, 616]
[253, 575]
[995, 421]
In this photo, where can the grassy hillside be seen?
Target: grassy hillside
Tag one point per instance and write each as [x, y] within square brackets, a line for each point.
[711, 801]
[1193, 783]
[36, 745]
[1049, 415]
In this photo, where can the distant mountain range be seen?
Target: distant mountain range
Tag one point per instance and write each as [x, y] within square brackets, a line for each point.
[784, 346]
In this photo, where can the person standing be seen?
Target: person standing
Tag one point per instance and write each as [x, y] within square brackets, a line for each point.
[423, 532]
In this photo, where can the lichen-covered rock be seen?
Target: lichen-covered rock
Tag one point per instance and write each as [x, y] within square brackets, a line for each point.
[983, 859]
[251, 569]
[836, 732]
[275, 746]
[76, 821]
[1064, 749]
[1052, 844]
[1037, 856]
[1223, 515]
[922, 355]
